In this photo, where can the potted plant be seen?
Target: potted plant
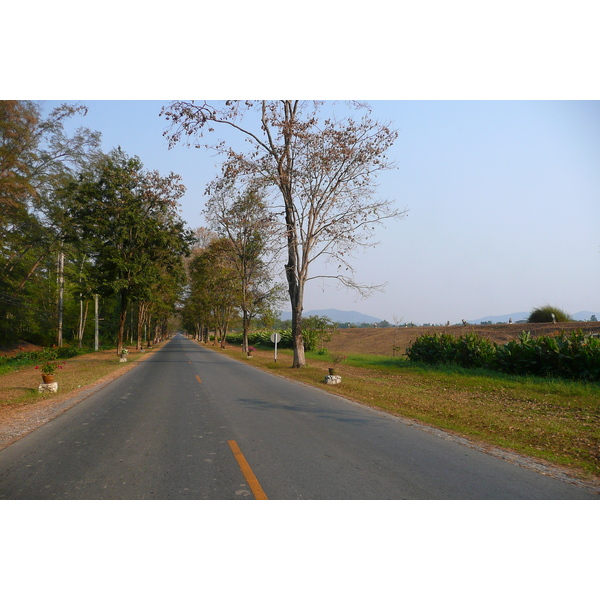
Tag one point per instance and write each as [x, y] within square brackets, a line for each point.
[250, 351]
[336, 359]
[48, 369]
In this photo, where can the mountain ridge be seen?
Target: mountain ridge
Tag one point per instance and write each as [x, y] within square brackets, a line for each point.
[582, 315]
[336, 315]
[352, 316]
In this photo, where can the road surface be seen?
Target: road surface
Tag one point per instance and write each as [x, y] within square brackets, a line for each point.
[189, 423]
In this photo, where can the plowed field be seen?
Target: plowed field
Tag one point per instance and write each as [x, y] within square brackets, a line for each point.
[382, 341]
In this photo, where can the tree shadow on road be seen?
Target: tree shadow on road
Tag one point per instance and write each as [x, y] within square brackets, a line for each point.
[341, 416]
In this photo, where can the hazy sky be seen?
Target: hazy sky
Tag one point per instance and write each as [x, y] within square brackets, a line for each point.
[503, 200]
[503, 195]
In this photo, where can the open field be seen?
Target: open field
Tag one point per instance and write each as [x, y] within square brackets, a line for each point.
[382, 341]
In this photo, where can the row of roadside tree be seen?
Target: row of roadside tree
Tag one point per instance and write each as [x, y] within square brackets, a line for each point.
[81, 228]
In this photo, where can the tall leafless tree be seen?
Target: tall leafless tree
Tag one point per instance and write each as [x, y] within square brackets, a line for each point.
[323, 169]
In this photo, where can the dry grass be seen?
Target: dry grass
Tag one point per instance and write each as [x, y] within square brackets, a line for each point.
[20, 387]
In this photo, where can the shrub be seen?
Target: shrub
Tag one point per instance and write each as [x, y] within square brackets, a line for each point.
[263, 338]
[474, 351]
[575, 355]
[543, 314]
[433, 349]
[30, 357]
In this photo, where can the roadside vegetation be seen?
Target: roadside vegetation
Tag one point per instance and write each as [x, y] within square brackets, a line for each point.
[556, 420]
[19, 377]
[26, 358]
[89, 240]
[574, 355]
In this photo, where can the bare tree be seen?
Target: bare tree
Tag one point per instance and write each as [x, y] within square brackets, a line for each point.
[323, 169]
[242, 217]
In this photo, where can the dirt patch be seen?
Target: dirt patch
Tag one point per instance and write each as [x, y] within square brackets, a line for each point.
[393, 341]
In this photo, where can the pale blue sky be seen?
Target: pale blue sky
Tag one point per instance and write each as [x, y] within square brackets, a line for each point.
[503, 199]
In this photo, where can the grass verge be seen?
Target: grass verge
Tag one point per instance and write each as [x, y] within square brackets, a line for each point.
[554, 420]
[19, 387]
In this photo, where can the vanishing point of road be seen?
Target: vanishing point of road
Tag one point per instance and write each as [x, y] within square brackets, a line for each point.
[190, 423]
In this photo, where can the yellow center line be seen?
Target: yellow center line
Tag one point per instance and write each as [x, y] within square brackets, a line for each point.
[198, 378]
[247, 471]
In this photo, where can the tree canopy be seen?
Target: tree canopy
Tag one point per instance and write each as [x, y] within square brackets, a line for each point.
[128, 219]
[242, 218]
[36, 157]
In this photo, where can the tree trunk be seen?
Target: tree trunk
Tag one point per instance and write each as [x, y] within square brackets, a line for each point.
[82, 312]
[61, 293]
[82, 319]
[96, 319]
[297, 337]
[295, 289]
[245, 328]
[142, 312]
[122, 319]
[292, 268]
[149, 331]
[224, 335]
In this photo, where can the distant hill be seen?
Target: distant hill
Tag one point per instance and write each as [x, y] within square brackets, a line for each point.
[351, 316]
[337, 316]
[582, 315]
[585, 315]
[516, 316]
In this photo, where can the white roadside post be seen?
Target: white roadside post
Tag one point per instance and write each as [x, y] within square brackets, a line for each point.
[275, 337]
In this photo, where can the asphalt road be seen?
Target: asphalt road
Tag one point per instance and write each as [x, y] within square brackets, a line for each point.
[189, 423]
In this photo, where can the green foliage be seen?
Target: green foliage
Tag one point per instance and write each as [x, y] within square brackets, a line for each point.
[317, 331]
[434, 349]
[46, 355]
[574, 356]
[127, 220]
[36, 156]
[49, 368]
[263, 338]
[548, 314]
